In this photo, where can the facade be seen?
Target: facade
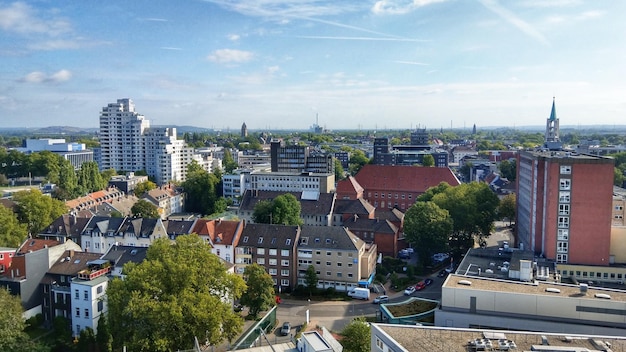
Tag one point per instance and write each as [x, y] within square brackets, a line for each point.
[121, 137]
[341, 259]
[6, 256]
[166, 156]
[273, 247]
[299, 159]
[168, 200]
[236, 184]
[88, 291]
[387, 186]
[619, 206]
[413, 154]
[222, 235]
[564, 202]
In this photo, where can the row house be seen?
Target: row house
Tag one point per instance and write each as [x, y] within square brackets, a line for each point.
[94, 199]
[316, 209]
[273, 247]
[341, 259]
[375, 231]
[102, 232]
[66, 226]
[6, 257]
[221, 235]
[168, 200]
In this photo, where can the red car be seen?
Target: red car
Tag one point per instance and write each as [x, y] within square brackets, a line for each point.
[420, 286]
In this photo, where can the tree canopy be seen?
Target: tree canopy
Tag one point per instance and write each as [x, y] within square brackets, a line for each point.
[427, 227]
[145, 209]
[180, 291]
[12, 335]
[259, 294]
[200, 187]
[12, 232]
[144, 187]
[507, 207]
[356, 336]
[284, 209]
[428, 160]
[37, 210]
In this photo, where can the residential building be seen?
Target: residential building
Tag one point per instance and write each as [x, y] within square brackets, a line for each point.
[122, 145]
[88, 292]
[389, 186]
[341, 259]
[166, 156]
[422, 338]
[6, 257]
[99, 233]
[127, 183]
[168, 199]
[564, 206]
[28, 267]
[75, 153]
[66, 226]
[222, 235]
[57, 300]
[274, 248]
[619, 206]
[461, 151]
[383, 233]
[94, 199]
[316, 209]
[119, 255]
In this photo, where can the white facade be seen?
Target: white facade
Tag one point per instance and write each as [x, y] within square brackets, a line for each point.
[166, 156]
[122, 137]
[235, 185]
[88, 303]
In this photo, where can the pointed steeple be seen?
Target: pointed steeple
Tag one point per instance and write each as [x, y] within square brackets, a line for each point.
[553, 112]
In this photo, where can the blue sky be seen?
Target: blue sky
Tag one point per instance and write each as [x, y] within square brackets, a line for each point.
[277, 64]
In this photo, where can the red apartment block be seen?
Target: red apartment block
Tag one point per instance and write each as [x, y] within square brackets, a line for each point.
[564, 206]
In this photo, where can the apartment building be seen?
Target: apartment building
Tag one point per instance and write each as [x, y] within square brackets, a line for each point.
[564, 206]
[88, 291]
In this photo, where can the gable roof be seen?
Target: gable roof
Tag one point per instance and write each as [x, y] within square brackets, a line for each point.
[393, 215]
[356, 206]
[323, 205]
[219, 231]
[121, 255]
[329, 237]
[104, 224]
[35, 244]
[374, 225]
[179, 227]
[269, 236]
[141, 227]
[349, 186]
[67, 225]
[404, 178]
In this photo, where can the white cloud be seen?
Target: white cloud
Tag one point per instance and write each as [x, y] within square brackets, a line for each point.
[23, 19]
[234, 37]
[228, 56]
[41, 77]
[399, 7]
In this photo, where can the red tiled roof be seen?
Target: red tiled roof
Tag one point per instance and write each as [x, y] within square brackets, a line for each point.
[404, 178]
[349, 186]
[35, 244]
[224, 229]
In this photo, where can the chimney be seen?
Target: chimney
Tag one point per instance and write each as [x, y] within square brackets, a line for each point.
[71, 252]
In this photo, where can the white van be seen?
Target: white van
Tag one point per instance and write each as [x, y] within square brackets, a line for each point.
[359, 293]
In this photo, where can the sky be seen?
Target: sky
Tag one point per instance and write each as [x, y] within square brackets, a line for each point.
[285, 64]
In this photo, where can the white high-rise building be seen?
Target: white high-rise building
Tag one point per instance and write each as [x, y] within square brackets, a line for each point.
[128, 143]
[122, 137]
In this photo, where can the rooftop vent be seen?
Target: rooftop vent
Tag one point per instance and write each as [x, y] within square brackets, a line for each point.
[602, 295]
[465, 282]
[583, 288]
[553, 290]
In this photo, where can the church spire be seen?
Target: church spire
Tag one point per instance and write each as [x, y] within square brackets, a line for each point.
[552, 140]
[553, 112]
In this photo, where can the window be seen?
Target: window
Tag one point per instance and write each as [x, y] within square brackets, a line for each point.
[328, 273]
[380, 344]
[273, 251]
[350, 275]
[284, 252]
[339, 264]
[78, 312]
[561, 258]
[284, 282]
[563, 222]
[86, 295]
[565, 184]
[76, 294]
[328, 263]
[566, 169]
[99, 289]
[382, 195]
[339, 254]
[328, 253]
[260, 261]
[339, 275]
[273, 271]
[564, 197]
[288, 242]
[561, 247]
[273, 261]
[619, 207]
[260, 251]
[77, 330]
[86, 313]
[318, 262]
[563, 209]
[284, 262]
[349, 265]
[284, 272]
[563, 235]
[245, 239]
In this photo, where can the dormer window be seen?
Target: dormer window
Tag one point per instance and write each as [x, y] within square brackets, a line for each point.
[245, 239]
[260, 240]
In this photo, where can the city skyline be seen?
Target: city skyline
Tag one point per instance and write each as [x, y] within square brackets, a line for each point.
[282, 64]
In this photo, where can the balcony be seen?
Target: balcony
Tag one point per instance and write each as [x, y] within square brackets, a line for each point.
[92, 273]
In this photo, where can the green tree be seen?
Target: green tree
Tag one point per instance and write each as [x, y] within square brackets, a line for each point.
[262, 213]
[619, 177]
[259, 295]
[68, 182]
[180, 291]
[310, 278]
[89, 178]
[427, 227]
[12, 232]
[200, 187]
[228, 162]
[107, 174]
[144, 187]
[428, 161]
[507, 207]
[62, 334]
[508, 170]
[356, 336]
[36, 210]
[104, 339]
[145, 209]
[86, 340]
[340, 173]
[284, 209]
[357, 161]
[11, 323]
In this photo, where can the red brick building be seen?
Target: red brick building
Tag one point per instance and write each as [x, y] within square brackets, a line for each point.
[564, 206]
[394, 186]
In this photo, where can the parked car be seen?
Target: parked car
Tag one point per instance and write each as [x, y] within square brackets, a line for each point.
[404, 254]
[410, 250]
[428, 282]
[409, 290]
[285, 329]
[442, 273]
[420, 286]
[381, 299]
[440, 257]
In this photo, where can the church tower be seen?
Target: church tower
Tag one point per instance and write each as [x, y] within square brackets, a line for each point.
[244, 130]
[552, 140]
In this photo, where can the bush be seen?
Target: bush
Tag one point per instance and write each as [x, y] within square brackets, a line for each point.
[34, 322]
